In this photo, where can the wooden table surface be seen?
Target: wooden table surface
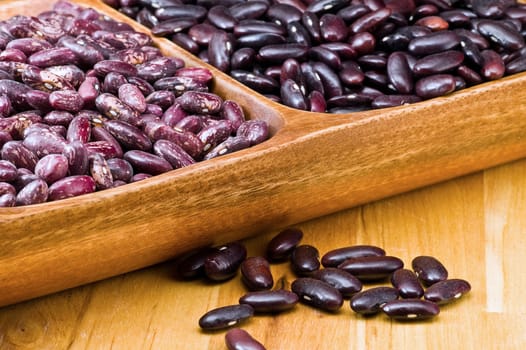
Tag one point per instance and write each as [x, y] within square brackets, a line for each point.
[476, 225]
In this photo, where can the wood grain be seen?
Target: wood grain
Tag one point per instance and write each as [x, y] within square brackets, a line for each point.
[313, 165]
[474, 224]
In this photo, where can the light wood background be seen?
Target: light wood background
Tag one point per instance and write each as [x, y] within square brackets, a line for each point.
[476, 225]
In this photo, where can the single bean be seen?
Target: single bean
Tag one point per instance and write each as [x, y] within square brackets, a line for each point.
[438, 63]
[7, 172]
[34, 192]
[370, 301]
[343, 281]
[71, 186]
[131, 95]
[52, 167]
[231, 144]
[224, 263]
[270, 301]
[128, 135]
[369, 268]
[191, 264]
[446, 291]
[410, 309]
[429, 269]
[77, 156]
[200, 102]
[435, 85]
[256, 274]
[407, 283]
[318, 294]
[53, 57]
[100, 171]
[225, 316]
[144, 162]
[239, 339]
[337, 256]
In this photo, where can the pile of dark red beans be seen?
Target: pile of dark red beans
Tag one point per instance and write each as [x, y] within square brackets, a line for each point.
[87, 103]
[341, 56]
[322, 283]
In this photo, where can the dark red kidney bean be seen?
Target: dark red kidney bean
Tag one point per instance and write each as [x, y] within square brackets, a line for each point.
[457, 18]
[471, 51]
[239, 339]
[172, 26]
[337, 256]
[243, 58]
[146, 18]
[322, 6]
[221, 17]
[410, 309]
[343, 281]
[161, 98]
[113, 108]
[249, 27]
[281, 245]
[370, 20]
[280, 52]
[385, 101]
[283, 13]
[446, 291]
[311, 78]
[202, 33]
[128, 135]
[433, 43]
[331, 82]
[131, 95]
[185, 41]
[399, 73]
[200, 102]
[256, 81]
[191, 265]
[474, 36]
[352, 12]
[185, 10]
[77, 156]
[173, 153]
[517, 65]
[224, 263]
[372, 61]
[333, 28]
[292, 96]
[121, 170]
[79, 129]
[53, 57]
[429, 269]
[213, 134]
[258, 40]
[256, 274]
[7, 172]
[469, 75]
[158, 68]
[52, 167]
[298, 34]
[407, 284]
[493, 66]
[225, 316]
[370, 268]
[34, 192]
[304, 260]
[144, 162]
[322, 54]
[435, 85]
[270, 301]
[231, 144]
[100, 171]
[71, 186]
[317, 102]
[349, 100]
[311, 23]
[435, 23]
[248, 10]
[371, 300]
[500, 34]
[318, 294]
[438, 62]
[220, 49]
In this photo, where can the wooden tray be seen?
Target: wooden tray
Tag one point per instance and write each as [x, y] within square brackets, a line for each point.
[313, 165]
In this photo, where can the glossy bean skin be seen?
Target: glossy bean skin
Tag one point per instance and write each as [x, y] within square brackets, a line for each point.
[7, 171]
[407, 283]
[191, 265]
[231, 144]
[34, 192]
[131, 95]
[305, 260]
[270, 301]
[77, 156]
[200, 102]
[399, 73]
[52, 167]
[410, 309]
[16, 153]
[213, 134]
[239, 339]
[173, 153]
[225, 316]
[256, 131]
[343, 281]
[429, 269]
[370, 301]
[336, 256]
[447, 291]
[435, 85]
[113, 108]
[224, 263]
[128, 135]
[371, 267]
[71, 186]
[317, 294]
[282, 244]
[256, 274]
[145, 162]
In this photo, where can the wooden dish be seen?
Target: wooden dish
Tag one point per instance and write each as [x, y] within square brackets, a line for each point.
[313, 165]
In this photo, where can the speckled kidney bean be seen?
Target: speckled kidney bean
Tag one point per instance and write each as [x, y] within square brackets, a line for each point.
[7, 172]
[39, 100]
[270, 301]
[343, 281]
[112, 81]
[369, 268]
[34, 192]
[16, 153]
[87, 53]
[7, 200]
[52, 167]
[5, 106]
[318, 294]
[224, 263]
[128, 135]
[213, 134]
[42, 143]
[147, 162]
[371, 300]
[256, 131]
[28, 45]
[239, 339]
[132, 96]
[88, 90]
[429, 269]
[225, 316]
[53, 57]
[15, 91]
[446, 291]
[230, 145]
[100, 171]
[77, 156]
[158, 68]
[200, 102]
[256, 274]
[305, 260]
[110, 106]
[410, 309]
[173, 153]
[334, 257]
[407, 283]
[71, 186]
[99, 133]
[233, 112]
[79, 129]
